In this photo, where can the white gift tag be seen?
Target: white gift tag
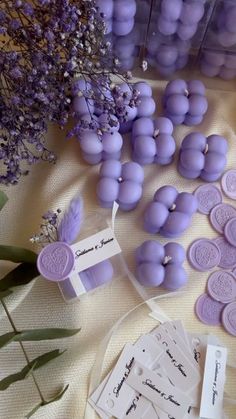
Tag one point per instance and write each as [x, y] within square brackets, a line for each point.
[158, 391]
[179, 369]
[178, 326]
[93, 399]
[94, 249]
[138, 407]
[149, 346]
[213, 382]
[150, 414]
[117, 396]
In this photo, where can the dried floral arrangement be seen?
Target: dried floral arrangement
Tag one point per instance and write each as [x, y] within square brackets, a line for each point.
[46, 47]
[24, 273]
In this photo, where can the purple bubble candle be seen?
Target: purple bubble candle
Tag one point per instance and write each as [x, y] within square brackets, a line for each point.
[203, 157]
[185, 102]
[160, 265]
[97, 147]
[121, 183]
[152, 141]
[118, 15]
[170, 212]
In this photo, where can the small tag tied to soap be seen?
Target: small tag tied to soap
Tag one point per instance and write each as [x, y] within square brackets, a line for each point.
[213, 382]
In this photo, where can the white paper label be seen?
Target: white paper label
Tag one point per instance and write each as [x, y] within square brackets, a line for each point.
[213, 382]
[93, 399]
[161, 393]
[149, 346]
[117, 396]
[94, 249]
[138, 407]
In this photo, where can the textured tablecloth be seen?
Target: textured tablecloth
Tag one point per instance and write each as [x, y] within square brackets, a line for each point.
[52, 186]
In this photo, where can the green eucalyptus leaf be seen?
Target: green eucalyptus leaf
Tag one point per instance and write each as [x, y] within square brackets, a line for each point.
[34, 410]
[5, 293]
[17, 254]
[57, 397]
[21, 275]
[44, 334]
[36, 363]
[3, 199]
[18, 376]
[6, 338]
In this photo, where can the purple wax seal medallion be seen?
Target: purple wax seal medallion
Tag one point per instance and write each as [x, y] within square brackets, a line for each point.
[208, 197]
[208, 310]
[219, 216]
[230, 231]
[160, 265]
[221, 286]
[227, 252]
[56, 261]
[203, 254]
[228, 183]
[229, 318]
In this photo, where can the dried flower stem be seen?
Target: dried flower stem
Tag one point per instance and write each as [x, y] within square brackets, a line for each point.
[23, 350]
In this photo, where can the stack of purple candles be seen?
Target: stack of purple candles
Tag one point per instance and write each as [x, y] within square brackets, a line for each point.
[118, 15]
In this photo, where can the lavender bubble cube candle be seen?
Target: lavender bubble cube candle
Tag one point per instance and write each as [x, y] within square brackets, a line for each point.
[145, 108]
[118, 15]
[160, 265]
[121, 183]
[185, 102]
[152, 141]
[169, 214]
[203, 157]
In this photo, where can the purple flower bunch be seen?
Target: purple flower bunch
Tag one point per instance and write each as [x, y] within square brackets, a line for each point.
[45, 47]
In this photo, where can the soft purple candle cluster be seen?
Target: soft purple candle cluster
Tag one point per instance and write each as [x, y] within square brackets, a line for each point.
[203, 157]
[121, 183]
[160, 265]
[167, 54]
[219, 64]
[185, 102]
[152, 141]
[170, 212]
[118, 15]
[180, 17]
[225, 24]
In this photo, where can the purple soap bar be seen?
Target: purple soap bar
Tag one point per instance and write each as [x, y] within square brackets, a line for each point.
[220, 215]
[160, 265]
[221, 286]
[56, 261]
[229, 318]
[170, 212]
[230, 232]
[204, 254]
[208, 310]
[227, 253]
[228, 183]
[208, 197]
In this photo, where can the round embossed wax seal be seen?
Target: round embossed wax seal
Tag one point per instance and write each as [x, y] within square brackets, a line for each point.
[56, 261]
[220, 214]
[227, 253]
[230, 231]
[208, 196]
[208, 310]
[228, 183]
[203, 254]
[229, 318]
[221, 286]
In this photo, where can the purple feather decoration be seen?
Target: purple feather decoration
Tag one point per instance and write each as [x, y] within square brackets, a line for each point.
[71, 222]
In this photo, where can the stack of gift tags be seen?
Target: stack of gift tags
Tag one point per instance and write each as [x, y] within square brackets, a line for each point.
[168, 373]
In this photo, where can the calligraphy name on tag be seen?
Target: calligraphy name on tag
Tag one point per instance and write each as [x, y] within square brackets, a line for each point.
[179, 369]
[213, 382]
[138, 407]
[161, 393]
[117, 396]
[94, 249]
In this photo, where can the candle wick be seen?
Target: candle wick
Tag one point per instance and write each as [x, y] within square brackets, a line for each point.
[166, 260]
[156, 133]
[186, 93]
[172, 208]
[120, 179]
[206, 149]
